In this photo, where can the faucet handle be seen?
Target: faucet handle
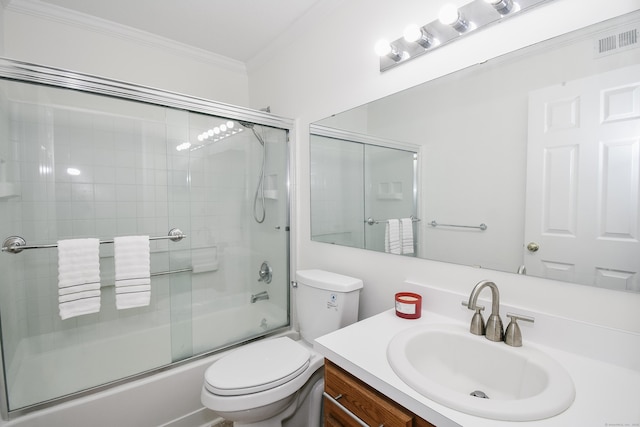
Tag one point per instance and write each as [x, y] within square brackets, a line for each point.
[478, 306]
[513, 335]
[478, 326]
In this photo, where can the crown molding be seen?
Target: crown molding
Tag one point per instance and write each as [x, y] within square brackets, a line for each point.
[86, 22]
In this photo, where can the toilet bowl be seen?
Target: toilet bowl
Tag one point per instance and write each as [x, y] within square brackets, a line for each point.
[261, 380]
[278, 382]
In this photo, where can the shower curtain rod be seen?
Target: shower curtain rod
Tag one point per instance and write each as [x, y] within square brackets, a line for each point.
[16, 244]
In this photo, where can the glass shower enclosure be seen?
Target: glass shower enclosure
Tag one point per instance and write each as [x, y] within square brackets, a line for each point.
[358, 185]
[83, 157]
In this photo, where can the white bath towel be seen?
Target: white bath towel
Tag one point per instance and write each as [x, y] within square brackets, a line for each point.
[133, 278]
[392, 237]
[78, 277]
[406, 230]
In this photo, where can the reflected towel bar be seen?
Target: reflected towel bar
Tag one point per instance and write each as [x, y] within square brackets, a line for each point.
[482, 226]
[16, 244]
[164, 273]
[372, 221]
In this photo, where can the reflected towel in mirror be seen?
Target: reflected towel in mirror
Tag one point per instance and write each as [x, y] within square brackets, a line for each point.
[392, 242]
[407, 235]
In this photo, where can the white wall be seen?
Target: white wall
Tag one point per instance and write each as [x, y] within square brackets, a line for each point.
[330, 67]
[38, 33]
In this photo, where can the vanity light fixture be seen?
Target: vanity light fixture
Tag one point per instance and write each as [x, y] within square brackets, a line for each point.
[452, 23]
[502, 6]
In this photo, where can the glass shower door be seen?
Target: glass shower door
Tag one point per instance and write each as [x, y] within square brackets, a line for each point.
[75, 165]
[240, 221]
[82, 165]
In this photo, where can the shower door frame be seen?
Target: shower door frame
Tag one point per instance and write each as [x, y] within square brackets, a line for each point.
[26, 72]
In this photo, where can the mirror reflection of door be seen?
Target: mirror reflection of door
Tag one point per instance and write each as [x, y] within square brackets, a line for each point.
[583, 196]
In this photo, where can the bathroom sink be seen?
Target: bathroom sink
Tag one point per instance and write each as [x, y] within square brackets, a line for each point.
[466, 372]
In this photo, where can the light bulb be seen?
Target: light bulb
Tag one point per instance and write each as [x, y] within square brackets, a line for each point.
[412, 33]
[383, 47]
[216, 130]
[223, 128]
[230, 124]
[200, 137]
[449, 14]
[415, 34]
[210, 132]
[183, 146]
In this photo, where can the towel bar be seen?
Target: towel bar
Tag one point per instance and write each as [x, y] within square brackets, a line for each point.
[372, 221]
[16, 244]
[164, 273]
[482, 226]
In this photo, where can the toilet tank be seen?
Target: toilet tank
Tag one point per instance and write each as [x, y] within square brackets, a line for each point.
[325, 302]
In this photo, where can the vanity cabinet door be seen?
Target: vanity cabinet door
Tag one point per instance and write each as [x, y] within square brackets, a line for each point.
[369, 405]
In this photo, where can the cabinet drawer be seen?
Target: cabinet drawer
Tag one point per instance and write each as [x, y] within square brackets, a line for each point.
[369, 405]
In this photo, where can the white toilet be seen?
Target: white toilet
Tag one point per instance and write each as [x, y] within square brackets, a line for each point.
[279, 382]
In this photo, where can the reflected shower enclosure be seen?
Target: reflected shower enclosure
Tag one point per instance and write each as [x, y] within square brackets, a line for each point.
[357, 188]
[78, 164]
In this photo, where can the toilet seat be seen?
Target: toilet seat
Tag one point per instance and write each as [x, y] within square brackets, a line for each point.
[257, 367]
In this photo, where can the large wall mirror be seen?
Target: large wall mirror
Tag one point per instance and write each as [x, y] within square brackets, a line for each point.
[530, 162]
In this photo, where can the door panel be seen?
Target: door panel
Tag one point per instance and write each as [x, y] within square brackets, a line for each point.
[583, 181]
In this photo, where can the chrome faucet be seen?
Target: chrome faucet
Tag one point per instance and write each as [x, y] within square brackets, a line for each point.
[259, 296]
[493, 330]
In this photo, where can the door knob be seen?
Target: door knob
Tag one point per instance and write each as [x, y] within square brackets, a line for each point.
[533, 247]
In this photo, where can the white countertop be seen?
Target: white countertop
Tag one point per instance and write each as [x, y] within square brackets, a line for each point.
[607, 391]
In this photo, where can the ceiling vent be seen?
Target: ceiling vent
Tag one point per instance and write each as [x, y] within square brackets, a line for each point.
[619, 41]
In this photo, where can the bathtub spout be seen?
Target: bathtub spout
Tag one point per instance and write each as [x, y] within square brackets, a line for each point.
[259, 296]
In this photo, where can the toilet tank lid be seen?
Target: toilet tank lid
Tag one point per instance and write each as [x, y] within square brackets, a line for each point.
[328, 281]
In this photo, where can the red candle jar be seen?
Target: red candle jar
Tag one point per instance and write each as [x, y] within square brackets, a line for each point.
[408, 305]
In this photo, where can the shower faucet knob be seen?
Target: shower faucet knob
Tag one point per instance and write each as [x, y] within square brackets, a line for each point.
[265, 274]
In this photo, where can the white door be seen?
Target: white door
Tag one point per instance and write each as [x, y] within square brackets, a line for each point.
[582, 202]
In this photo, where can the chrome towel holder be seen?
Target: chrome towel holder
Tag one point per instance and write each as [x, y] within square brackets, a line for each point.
[482, 226]
[16, 244]
[372, 221]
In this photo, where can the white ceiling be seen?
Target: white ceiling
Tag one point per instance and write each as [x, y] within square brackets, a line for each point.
[237, 29]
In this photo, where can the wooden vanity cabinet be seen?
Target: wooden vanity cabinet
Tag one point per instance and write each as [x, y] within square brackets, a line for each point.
[370, 406]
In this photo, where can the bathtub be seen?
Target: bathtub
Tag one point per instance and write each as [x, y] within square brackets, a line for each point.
[169, 397]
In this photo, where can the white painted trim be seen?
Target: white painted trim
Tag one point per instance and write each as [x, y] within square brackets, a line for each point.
[86, 22]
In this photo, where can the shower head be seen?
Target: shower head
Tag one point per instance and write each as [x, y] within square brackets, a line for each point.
[248, 125]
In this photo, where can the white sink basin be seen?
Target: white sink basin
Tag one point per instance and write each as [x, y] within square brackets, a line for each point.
[446, 363]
